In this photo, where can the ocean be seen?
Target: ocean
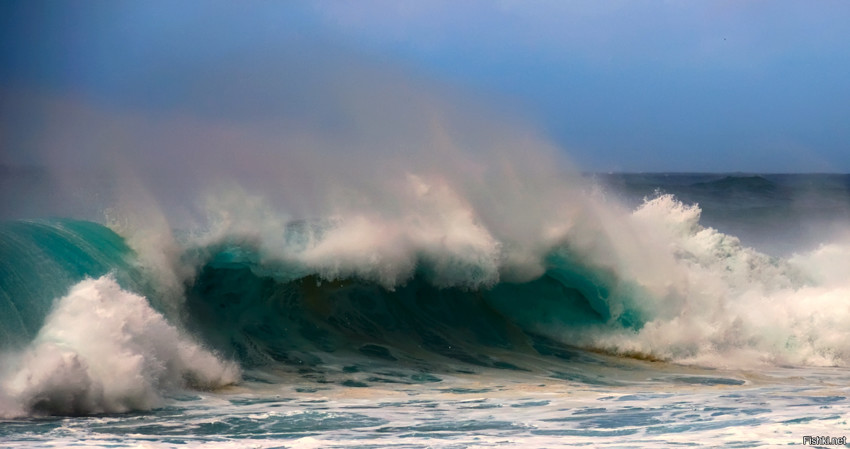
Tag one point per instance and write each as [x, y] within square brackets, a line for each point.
[615, 310]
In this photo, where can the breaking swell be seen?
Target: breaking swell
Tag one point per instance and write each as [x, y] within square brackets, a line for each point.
[88, 328]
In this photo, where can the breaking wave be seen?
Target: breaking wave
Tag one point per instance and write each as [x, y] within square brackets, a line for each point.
[87, 330]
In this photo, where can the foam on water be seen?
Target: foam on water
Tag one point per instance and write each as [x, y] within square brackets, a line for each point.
[650, 408]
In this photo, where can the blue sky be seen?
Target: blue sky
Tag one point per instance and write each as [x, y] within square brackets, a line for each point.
[758, 86]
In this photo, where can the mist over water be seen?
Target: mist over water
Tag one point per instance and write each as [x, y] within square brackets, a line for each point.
[257, 141]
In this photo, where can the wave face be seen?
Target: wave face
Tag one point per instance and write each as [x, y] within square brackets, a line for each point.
[266, 319]
[42, 259]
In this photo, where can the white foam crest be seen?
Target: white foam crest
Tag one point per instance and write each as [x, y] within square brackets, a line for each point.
[429, 223]
[103, 349]
[438, 226]
[728, 305]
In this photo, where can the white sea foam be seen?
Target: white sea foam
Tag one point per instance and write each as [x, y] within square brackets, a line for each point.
[713, 301]
[103, 349]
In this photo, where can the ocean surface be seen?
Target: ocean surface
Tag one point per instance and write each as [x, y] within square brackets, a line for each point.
[625, 310]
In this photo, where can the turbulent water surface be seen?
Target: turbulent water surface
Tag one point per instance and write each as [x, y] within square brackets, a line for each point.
[631, 311]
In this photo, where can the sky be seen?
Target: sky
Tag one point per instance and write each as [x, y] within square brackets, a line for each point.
[694, 86]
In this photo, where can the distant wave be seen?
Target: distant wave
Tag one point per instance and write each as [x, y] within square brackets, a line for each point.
[753, 184]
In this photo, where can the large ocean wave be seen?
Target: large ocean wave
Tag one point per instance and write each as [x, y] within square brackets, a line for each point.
[89, 325]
